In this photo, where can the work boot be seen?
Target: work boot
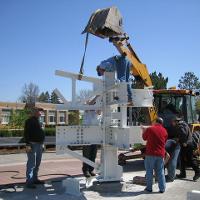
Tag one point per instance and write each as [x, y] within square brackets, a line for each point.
[30, 186]
[196, 176]
[39, 182]
[87, 174]
[168, 179]
[181, 175]
[92, 174]
[147, 190]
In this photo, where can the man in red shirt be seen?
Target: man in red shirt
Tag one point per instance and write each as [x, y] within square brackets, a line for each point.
[156, 137]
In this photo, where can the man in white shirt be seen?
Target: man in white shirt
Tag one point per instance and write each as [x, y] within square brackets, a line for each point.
[90, 117]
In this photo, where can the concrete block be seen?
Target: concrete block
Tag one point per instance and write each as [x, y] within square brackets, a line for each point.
[71, 186]
[193, 195]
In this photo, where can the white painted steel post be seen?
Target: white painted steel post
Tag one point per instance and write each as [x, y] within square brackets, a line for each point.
[110, 170]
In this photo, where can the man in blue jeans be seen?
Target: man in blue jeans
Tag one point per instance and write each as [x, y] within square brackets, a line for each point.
[119, 64]
[156, 137]
[173, 148]
[34, 138]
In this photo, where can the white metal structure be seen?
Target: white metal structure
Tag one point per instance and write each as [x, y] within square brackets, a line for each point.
[113, 133]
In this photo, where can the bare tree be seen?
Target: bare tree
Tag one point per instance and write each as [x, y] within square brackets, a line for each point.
[30, 93]
[84, 95]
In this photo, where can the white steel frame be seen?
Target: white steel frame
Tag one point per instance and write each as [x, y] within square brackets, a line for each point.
[113, 132]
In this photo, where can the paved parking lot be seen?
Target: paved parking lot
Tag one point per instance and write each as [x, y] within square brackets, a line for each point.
[55, 168]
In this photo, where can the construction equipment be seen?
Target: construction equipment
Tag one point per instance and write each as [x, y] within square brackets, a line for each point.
[107, 23]
[181, 102]
[115, 131]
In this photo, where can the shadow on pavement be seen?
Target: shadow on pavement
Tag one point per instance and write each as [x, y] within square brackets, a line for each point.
[52, 189]
[133, 166]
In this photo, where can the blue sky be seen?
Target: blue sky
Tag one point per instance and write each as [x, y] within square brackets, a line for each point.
[39, 36]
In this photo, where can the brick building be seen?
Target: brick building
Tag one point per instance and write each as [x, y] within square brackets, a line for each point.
[50, 116]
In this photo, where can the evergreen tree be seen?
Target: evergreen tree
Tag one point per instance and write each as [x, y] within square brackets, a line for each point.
[47, 97]
[54, 98]
[189, 81]
[159, 81]
[42, 97]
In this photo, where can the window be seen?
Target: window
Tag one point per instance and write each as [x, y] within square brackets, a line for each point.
[191, 109]
[6, 116]
[62, 117]
[42, 118]
[52, 117]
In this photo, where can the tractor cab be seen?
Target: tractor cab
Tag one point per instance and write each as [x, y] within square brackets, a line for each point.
[172, 102]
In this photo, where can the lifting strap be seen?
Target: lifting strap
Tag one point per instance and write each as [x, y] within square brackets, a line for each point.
[83, 59]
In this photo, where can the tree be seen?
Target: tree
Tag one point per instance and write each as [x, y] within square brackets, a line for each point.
[44, 97]
[189, 81]
[158, 80]
[18, 118]
[30, 93]
[47, 97]
[54, 98]
[74, 117]
[84, 95]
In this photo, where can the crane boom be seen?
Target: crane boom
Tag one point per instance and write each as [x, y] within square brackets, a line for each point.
[138, 70]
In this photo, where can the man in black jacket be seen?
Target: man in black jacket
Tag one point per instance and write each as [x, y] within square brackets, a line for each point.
[34, 138]
[185, 141]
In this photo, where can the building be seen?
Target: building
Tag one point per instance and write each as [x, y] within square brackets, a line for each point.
[50, 116]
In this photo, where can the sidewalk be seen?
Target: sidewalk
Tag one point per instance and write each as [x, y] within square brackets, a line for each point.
[13, 167]
[56, 168]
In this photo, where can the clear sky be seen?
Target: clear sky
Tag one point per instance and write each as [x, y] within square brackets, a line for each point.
[39, 36]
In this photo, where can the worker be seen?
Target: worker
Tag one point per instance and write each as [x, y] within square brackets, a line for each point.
[173, 148]
[185, 140]
[156, 136]
[119, 64]
[34, 138]
[90, 117]
[196, 142]
[168, 112]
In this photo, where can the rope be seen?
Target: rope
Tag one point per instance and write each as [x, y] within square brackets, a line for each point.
[83, 59]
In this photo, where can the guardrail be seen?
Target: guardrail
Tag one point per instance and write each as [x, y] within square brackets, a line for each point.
[18, 142]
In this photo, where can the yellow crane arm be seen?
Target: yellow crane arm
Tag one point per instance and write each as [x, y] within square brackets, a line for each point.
[107, 23]
[138, 70]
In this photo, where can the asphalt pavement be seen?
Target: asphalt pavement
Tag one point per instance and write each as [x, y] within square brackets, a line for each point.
[56, 168]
